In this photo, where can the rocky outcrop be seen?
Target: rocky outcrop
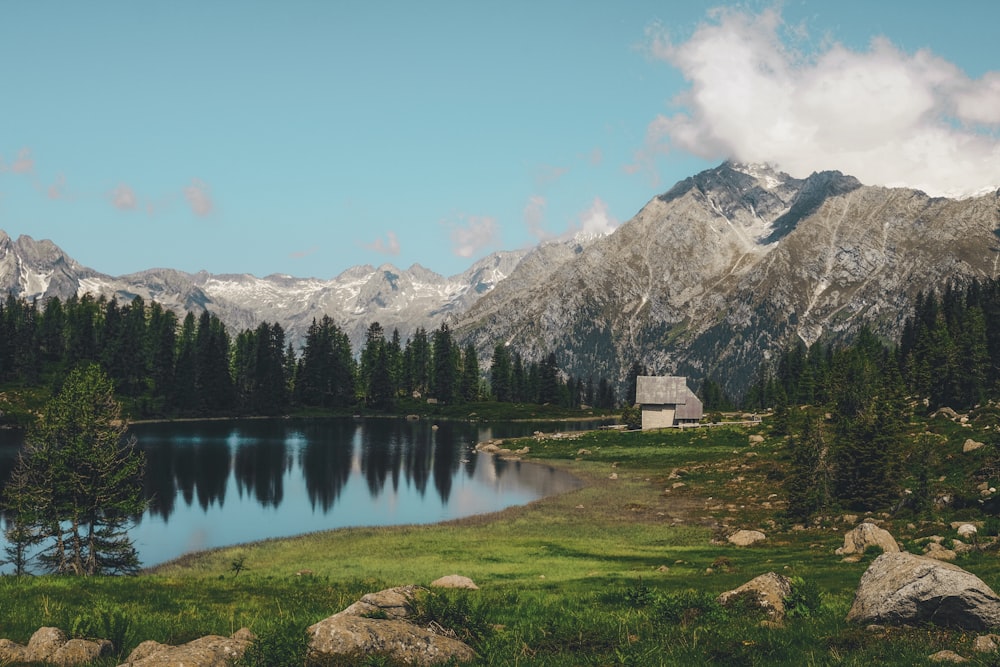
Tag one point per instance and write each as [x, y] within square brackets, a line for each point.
[378, 625]
[971, 445]
[51, 646]
[744, 538]
[209, 651]
[863, 536]
[770, 589]
[905, 589]
[455, 581]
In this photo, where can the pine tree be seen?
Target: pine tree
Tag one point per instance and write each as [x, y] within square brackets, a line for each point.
[500, 374]
[78, 481]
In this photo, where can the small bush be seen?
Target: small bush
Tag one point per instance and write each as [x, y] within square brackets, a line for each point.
[455, 611]
[103, 621]
[689, 607]
[282, 644]
[991, 526]
[805, 599]
[639, 595]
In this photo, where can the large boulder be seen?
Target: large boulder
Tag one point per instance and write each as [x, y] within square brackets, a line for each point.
[455, 581]
[744, 538]
[377, 624]
[395, 603]
[862, 536]
[209, 651]
[50, 645]
[348, 636]
[770, 589]
[905, 589]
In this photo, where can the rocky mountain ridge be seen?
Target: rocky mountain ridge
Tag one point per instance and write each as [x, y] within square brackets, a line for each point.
[714, 276]
[403, 299]
[709, 279]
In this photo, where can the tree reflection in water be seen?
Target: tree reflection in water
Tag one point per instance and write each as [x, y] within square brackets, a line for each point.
[289, 476]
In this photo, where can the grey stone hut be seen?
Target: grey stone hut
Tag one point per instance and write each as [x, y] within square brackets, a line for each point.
[666, 401]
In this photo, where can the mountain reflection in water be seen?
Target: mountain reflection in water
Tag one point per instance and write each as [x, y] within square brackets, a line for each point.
[217, 483]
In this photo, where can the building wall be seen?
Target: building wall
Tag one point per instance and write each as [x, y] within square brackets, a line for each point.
[657, 416]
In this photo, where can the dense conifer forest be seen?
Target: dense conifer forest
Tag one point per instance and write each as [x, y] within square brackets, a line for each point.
[166, 367]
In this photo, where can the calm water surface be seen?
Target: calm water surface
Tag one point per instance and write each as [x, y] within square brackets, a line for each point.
[217, 483]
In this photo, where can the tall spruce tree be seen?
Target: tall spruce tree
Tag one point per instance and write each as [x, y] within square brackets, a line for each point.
[78, 482]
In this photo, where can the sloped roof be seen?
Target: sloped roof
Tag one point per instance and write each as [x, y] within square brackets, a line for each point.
[668, 390]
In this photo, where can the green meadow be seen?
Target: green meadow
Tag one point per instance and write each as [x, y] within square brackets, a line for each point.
[624, 571]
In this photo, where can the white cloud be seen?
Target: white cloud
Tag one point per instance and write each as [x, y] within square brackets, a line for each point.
[595, 220]
[476, 233]
[534, 216]
[199, 197]
[123, 198]
[882, 115]
[390, 246]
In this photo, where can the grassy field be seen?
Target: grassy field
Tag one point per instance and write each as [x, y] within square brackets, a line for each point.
[623, 571]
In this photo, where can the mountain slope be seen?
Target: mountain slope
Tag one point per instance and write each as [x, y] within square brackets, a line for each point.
[733, 264]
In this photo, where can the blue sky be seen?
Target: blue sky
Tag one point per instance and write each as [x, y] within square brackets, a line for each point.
[307, 137]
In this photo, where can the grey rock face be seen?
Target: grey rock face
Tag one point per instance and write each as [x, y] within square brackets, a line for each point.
[904, 589]
[733, 265]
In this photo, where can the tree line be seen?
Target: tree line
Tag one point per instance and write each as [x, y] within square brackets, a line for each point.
[847, 444]
[163, 366]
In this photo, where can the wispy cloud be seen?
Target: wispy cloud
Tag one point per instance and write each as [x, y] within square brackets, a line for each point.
[547, 175]
[23, 163]
[301, 254]
[123, 198]
[57, 189]
[389, 246]
[534, 216]
[882, 115]
[199, 197]
[473, 234]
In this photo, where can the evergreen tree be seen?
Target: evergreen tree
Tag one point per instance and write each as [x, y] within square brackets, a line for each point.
[634, 371]
[78, 481]
[445, 377]
[548, 380]
[470, 374]
[807, 484]
[500, 374]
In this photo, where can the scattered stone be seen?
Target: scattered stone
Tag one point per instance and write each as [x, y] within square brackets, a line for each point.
[971, 446]
[848, 518]
[756, 440]
[583, 452]
[663, 568]
[391, 603]
[906, 589]
[455, 581]
[50, 645]
[613, 475]
[771, 590]
[210, 651]
[960, 547]
[744, 538]
[862, 536]
[967, 531]
[938, 552]
[677, 485]
[946, 656]
[986, 643]
[377, 625]
[945, 412]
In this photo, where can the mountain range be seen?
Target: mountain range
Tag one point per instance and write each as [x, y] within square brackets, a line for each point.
[709, 279]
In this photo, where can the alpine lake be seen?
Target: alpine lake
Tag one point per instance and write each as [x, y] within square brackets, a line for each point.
[218, 483]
